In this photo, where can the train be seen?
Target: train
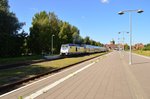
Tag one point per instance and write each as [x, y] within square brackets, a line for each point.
[74, 49]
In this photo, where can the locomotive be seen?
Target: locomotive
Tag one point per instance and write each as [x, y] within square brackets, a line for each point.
[73, 49]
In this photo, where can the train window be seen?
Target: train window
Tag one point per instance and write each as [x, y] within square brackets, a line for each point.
[64, 47]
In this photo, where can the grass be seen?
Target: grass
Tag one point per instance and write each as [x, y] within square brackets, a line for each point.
[67, 61]
[15, 74]
[18, 59]
[12, 75]
[141, 52]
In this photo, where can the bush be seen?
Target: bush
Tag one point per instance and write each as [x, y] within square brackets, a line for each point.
[147, 47]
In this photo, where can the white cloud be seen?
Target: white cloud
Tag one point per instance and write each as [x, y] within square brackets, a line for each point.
[105, 1]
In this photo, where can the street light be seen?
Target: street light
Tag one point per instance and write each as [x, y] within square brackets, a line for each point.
[140, 11]
[118, 44]
[123, 37]
[130, 11]
[52, 43]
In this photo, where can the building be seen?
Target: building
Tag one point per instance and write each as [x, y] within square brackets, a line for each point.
[138, 46]
[111, 46]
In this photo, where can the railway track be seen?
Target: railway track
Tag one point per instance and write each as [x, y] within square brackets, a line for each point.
[11, 86]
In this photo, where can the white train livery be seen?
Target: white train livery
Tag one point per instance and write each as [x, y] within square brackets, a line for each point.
[72, 49]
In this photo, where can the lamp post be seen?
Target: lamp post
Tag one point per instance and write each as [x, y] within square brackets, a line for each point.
[52, 43]
[130, 15]
[123, 37]
[118, 44]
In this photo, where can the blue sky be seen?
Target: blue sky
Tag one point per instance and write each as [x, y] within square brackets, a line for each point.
[95, 18]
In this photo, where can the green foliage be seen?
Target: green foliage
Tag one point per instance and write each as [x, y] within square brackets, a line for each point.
[4, 5]
[126, 47]
[9, 27]
[23, 37]
[65, 33]
[87, 40]
[44, 25]
[147, 47]
[77, 39]
[39, 32]
[142, 52]
[99, 44]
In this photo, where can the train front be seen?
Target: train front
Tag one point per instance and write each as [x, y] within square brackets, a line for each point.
[64, 49]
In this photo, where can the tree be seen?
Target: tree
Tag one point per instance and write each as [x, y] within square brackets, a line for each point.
[55, 25]
[44, 25]
[40, 33]
[75, 35]
[4, 6]
[99, 44]
[9, 27]
[87, 40]
[92, 42]
[65, 33]
[22, 42]
[126, 47]
[147, 47]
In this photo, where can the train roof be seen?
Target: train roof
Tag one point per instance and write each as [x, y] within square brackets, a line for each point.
[83, 45]
[71, 44]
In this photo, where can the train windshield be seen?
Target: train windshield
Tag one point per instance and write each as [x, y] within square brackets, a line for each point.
[64, 46]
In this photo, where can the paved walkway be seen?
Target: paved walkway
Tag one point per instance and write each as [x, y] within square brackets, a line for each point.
[109, 77]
